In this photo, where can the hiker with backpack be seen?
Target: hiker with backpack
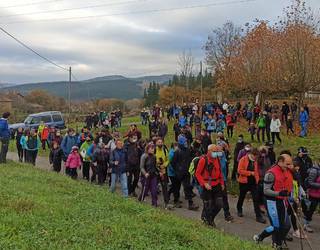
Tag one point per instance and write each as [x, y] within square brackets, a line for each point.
[86, 159]
[230, 120]
[175, 184]
[149, 175]
[248, 171]
[162, 156]
[313, 190]
[32, 146]
[119, 167]
[181, 162]
[133, 154]
[210, 177]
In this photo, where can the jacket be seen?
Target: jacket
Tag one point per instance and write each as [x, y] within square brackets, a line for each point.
[120, 156]
[244, 173]
[261, 122]
[23, 142]
[303, 117]
[74, 160]
[229, 120]
[32, 143]
[275, 125]
[305, 163]
[313, 182]
[4, 129]
[67, 143]
[84, 149]
[133, 154]
[56, 156]
[162, 156]
[283, 180]
[211, 173]
[170, 168]
[181, 161]
[101, 157]
[44, 134]
[148, 164]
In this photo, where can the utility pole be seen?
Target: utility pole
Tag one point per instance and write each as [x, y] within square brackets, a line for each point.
[201, 85]
[69, 93]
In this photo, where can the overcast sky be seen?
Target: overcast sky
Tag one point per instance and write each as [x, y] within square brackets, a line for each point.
[130, 45]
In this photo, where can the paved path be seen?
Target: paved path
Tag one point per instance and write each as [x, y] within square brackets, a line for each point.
[244, 227]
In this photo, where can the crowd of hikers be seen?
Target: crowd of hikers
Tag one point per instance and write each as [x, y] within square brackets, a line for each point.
[198, 160]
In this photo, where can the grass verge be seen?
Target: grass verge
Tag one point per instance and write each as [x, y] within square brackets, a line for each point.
[43, 210]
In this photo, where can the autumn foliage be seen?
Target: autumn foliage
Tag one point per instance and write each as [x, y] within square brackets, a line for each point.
[274, 60]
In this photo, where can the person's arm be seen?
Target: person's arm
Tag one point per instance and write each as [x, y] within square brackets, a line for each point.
[142, 164]
[68, 160]
[112, 158]
[268, 183]
[166, 158]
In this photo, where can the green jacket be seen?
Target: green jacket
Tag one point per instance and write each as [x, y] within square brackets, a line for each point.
[84, 151]
[261, 122]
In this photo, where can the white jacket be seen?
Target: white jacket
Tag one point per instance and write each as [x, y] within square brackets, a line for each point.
[275, 125]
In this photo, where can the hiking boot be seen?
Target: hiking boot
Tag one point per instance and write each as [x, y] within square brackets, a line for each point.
[240, 214]
[228, 218]
[261, 220]
[256, 239]
[307, 228]
[193, 207]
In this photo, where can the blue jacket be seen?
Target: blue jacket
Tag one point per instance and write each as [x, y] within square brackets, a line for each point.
[120, 156]
[303, 117]
[4, 129]
[67, 143]
[211, 124]
[223, 163]
[182, 121]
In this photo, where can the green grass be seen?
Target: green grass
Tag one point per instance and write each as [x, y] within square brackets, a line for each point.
[43, 210]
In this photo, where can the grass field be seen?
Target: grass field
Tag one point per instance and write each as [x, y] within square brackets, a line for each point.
[43, 210]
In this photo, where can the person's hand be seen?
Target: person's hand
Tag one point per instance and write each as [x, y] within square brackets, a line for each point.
[161, 175]
[222, 188]
[284, 193]
[128, 174]
[116, 163]
[252, 173]
[207, 186]
[146, 175]
[95, 164]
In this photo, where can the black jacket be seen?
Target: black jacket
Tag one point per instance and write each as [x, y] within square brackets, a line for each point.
[56, 156]
[304, 164]
[181, 161]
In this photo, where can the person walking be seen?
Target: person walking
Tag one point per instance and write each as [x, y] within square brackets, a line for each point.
[100, 158]
[275, 128]
[230, 120]
[118, 166]
[73, 162]
[55, 157]
[149, 175]
[248, 181]
[4, 137]
[303, 120]
[19, 134]
[86, 159]
[181, 162]
[67, 143]
[238, 147]
[33, 144]
[210, 178]
[261, 124]
[276, 192]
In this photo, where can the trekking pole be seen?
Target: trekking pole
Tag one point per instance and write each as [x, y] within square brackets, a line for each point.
[300, 228]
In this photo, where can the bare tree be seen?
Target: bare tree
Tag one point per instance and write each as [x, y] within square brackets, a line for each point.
[186, 63]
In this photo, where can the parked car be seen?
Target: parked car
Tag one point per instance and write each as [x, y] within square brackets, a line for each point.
[50, 118]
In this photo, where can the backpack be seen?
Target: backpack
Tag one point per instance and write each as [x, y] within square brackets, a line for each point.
[306, 183]
[194, 165]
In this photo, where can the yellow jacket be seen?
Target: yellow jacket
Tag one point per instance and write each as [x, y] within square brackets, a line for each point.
[162, 153]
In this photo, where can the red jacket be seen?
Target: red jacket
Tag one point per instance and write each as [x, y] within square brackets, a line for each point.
[229, 120]
[243, 170]
[283, 180]
[203, 175]
[45, 134]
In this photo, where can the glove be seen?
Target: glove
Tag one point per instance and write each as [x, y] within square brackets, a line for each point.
[284, 193]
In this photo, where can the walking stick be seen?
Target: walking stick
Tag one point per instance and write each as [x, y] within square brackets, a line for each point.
[144, 189]
[300, 228]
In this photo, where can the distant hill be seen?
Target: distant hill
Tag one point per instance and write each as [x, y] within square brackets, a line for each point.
[114, 86]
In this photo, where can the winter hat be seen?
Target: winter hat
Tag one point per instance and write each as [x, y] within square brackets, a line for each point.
[182, 140]
[303, 150]
[75, 148]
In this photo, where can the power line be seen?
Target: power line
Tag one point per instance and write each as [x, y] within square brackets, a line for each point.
[135, 12]
[32, 50]
[30, 4]
[72, 9]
